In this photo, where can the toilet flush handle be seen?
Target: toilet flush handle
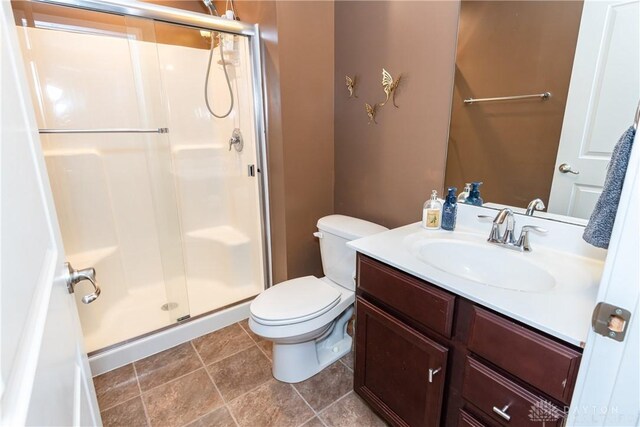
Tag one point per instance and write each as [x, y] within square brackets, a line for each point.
[318, 234]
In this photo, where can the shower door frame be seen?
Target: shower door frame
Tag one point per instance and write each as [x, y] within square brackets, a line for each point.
[206, 22]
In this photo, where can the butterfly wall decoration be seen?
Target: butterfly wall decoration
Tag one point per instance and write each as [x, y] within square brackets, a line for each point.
[371, 112]
[351, 86]
[389, 85]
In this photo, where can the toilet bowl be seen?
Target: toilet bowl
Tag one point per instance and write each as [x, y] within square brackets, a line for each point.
[306, 318]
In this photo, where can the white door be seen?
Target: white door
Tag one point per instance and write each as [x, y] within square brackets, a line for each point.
[602, 100]
[608, 387]
[45, 372]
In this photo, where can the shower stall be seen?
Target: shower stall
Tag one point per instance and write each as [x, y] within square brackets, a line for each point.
[165, 201]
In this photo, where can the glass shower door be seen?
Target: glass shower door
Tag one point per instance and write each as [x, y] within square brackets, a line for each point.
[95, 84]
[217, 185]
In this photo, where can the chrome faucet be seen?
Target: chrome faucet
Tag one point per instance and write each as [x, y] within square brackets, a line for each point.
[506, 239]
[535, 205]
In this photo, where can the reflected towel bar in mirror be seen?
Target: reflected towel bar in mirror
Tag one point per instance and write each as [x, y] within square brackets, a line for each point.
[157, 130]
[542, 96]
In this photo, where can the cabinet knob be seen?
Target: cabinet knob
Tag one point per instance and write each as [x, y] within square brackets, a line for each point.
[503, 412]
[432, 372]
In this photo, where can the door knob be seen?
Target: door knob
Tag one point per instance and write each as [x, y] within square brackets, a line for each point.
[566, 168]
[76, 276]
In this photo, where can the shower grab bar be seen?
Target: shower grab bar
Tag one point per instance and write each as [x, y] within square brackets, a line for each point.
[54, 131]
[543, 96]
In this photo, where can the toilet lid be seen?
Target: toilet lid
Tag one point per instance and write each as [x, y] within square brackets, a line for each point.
[294, 301]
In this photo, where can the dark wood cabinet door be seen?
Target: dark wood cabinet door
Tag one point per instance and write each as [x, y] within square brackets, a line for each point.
[398, 371]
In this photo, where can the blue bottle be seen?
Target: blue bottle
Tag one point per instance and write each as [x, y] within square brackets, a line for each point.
[474, 196]
[450, 210]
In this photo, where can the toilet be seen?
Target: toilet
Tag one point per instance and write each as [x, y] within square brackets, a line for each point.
[306, 318]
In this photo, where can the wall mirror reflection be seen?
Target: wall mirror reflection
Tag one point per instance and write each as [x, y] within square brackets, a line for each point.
[556, 148]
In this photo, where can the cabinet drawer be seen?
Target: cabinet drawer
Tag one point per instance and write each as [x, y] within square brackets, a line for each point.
[492, 393]
[423, 303]
[467, 420]
[547, 365]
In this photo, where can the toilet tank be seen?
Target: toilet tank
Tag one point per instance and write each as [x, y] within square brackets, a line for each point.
[339, 260]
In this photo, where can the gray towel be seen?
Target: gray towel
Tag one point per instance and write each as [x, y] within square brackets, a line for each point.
[598, 230]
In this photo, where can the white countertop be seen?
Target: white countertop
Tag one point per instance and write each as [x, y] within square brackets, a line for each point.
[563, 312]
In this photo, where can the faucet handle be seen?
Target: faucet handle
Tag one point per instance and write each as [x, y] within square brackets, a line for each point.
[523, 240]
[539, 230]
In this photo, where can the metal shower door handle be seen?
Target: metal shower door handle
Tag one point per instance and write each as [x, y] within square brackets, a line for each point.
[76, 276]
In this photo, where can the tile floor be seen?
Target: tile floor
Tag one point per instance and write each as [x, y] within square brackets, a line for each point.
[224, 379]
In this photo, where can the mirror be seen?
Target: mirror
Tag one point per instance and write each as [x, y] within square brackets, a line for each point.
[586, 56]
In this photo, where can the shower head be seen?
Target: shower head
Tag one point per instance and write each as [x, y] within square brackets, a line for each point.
[212, 7]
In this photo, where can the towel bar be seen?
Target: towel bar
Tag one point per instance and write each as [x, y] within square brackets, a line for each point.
[53, 131]
[543, 96]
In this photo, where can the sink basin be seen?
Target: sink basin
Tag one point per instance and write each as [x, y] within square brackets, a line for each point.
[484, 263]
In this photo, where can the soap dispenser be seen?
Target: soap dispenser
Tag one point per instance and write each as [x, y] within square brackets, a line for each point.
[463, 196]
[474, 195]
[450, 210]
[432, 212]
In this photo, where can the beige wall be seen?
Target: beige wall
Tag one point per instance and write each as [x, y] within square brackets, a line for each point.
[385, 172]
[306, 45]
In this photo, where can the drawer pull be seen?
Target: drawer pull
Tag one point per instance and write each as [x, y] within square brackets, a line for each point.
[503, 412]
[432, 372]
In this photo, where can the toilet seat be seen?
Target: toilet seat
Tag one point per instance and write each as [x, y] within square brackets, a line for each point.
[294, 301]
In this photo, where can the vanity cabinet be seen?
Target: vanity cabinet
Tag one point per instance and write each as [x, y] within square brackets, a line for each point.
[426, 357]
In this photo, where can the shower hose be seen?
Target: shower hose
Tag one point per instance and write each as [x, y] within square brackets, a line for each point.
[226, 75]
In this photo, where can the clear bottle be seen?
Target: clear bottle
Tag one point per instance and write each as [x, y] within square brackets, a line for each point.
[463, 196]
[432, 212]
[450, 210]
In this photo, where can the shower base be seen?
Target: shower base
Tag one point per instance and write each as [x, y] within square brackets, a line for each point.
[141, 311]
[130, 351]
